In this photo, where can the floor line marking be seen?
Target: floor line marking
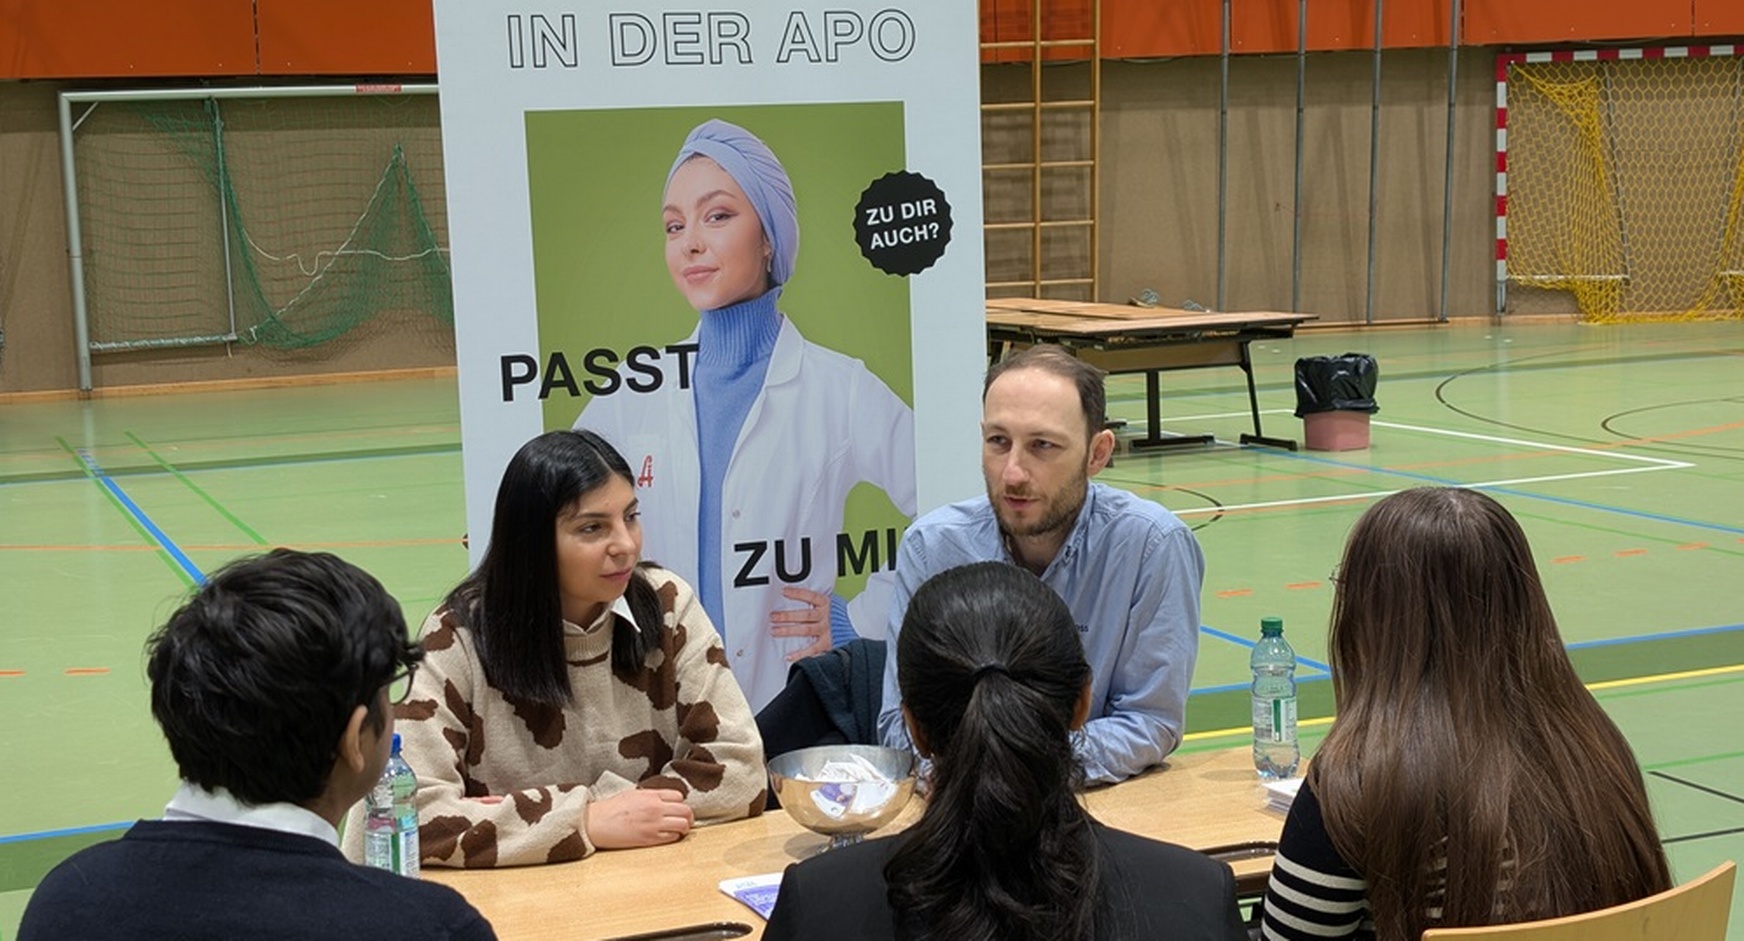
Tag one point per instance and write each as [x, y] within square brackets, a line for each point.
[1664, 677]
[85, 671]
[1326, 720]
[162, 538]
[1702, 836]
[1686, 632]
[1243, 641]
[1704, 759]
[1502, 486]
[1590, 452]
[69, 831]
[1480, 485]
[210, 500]
[1698, 786]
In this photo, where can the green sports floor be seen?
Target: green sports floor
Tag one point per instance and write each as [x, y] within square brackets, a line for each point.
[1621, 450]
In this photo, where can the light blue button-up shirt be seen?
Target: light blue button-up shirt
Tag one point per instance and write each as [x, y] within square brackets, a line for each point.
[1131, 573]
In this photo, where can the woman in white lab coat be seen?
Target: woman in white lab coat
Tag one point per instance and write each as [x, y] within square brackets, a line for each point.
[747, 448]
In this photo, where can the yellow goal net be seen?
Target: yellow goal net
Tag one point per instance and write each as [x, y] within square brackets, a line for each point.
[1620, 179]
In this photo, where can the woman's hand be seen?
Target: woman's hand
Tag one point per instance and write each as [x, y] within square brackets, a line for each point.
[811, 622]
[638, 818]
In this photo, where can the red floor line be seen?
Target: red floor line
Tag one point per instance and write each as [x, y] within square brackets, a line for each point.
[1624, 553]
[85, 671]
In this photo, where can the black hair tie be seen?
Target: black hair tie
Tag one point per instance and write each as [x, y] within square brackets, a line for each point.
[985, 670]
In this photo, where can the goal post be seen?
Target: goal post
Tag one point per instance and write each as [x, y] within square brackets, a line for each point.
[1620, 179]
[286, 216]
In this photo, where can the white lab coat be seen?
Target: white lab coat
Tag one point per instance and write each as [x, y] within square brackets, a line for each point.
[821, 424]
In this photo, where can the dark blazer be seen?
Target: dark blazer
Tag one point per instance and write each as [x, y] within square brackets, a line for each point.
[202, 881]
[1150, 890]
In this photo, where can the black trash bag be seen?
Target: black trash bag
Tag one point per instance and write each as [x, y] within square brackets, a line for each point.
[1336, 384]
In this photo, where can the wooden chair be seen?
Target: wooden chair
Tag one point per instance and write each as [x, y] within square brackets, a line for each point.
[1694, 911]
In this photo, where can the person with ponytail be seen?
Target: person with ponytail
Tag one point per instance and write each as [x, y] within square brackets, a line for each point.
[1469, 778]
[573, 697]
[994, 683]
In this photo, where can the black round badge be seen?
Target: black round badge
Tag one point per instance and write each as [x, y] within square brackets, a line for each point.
[902, 223]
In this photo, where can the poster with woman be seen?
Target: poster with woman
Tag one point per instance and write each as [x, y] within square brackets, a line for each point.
[779, 440]
[744, 247]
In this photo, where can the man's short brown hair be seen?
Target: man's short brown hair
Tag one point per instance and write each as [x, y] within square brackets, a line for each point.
[1050, 358]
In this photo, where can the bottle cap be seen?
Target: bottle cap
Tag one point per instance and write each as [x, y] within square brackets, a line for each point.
[396, 748]
[1271, 627]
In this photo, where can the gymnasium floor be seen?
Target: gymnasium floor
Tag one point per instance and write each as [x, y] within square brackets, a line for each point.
[1620, 449]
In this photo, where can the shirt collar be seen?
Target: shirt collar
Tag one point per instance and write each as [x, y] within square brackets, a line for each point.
[620, 607]
[194, 803]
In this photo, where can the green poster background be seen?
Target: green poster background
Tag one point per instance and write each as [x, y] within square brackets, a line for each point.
[596, 181]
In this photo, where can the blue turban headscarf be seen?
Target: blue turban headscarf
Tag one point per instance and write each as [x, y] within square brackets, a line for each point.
[754, 167]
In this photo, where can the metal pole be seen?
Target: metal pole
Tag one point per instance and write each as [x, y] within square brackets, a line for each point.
[223, 209]
[1223, 168]
[1296, 215]
[75, 241]
[268, 91]
[1035, 80]
[1374, 164]
[1095, 150]
[1447, 183]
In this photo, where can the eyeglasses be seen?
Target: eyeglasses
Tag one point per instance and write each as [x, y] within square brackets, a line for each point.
[400, 687]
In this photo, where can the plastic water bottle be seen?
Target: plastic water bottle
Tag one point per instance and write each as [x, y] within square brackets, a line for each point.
[390, 839]
[1275, 751]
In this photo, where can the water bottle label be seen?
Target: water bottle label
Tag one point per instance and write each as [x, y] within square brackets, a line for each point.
[1283, 720]
[406, 853]
[1274, 719]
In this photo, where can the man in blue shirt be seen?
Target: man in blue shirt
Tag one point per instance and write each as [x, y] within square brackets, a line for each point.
[1128, 569]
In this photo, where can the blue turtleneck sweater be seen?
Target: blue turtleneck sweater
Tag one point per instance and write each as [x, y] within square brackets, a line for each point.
[732, 357]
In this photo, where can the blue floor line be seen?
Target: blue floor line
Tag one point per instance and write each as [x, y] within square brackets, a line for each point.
[1566, 501]
[163, 540]
[1243, 641]
[1243, 687]
[1691, 632]
[70, 831]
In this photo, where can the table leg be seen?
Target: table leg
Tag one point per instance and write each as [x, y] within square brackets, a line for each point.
[1253, 404]
[1154, 438]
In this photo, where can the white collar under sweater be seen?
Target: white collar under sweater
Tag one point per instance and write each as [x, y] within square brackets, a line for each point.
[194, 803]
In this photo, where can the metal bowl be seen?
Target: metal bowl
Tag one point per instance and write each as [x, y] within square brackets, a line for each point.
[844, 811]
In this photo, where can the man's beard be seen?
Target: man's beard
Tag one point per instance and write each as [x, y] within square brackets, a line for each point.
[1059, 516]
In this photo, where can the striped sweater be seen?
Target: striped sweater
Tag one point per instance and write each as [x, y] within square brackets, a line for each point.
[1314, 895]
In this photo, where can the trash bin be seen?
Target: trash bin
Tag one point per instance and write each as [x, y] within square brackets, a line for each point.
[1335, 395]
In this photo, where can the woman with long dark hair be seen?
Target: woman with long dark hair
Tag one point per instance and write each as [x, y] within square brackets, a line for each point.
[993, 682]
[573, 697]
[1469, 778]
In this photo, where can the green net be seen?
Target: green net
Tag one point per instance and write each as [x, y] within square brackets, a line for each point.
[287, 222]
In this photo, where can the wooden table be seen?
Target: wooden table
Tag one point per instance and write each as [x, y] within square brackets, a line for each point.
[1203, 800]
[1151, 340]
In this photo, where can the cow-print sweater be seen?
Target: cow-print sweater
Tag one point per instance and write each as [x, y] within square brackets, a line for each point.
[506, 783]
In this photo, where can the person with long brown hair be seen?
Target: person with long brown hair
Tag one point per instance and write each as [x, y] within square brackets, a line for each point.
[1469, 778]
